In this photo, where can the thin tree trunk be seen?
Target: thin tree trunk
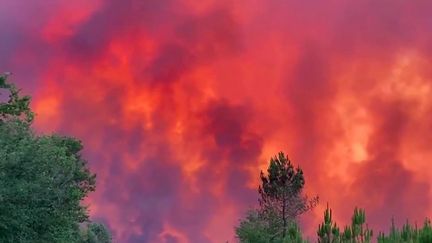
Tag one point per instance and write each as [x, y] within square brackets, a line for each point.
[284, 219]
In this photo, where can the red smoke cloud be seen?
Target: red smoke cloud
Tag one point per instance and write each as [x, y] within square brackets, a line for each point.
[180, 104]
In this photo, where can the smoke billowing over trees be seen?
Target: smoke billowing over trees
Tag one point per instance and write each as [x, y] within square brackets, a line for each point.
[281, 202]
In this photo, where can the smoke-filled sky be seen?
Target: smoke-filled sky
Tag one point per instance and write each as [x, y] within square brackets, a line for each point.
[181, 103]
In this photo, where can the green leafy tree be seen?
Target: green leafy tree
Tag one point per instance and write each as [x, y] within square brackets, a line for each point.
[43, 179]
[259, 228]
[96, 233]
[17, 106]
[255, 229]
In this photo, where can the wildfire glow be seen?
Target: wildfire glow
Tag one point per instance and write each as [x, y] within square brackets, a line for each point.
[181, 103]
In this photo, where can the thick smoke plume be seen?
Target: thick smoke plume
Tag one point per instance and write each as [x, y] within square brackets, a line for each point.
[181, 103]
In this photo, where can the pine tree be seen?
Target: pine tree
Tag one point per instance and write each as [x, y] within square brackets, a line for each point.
[328, 231]
[360, 231]
[357, 232]
[281, 192]
[408, 233]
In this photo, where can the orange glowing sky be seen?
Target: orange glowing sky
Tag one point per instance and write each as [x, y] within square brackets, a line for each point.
[181, 103]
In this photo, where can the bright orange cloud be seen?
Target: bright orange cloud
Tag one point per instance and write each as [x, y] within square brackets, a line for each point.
[180, 104]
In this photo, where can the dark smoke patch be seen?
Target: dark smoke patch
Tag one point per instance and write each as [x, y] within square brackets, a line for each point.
[214, 34]
[304, 50]
[391, 188]
[309, 91]
[171, 239]
[236, 146]
[150, 192]
[172, 62]
[117, 19]
[383, 184]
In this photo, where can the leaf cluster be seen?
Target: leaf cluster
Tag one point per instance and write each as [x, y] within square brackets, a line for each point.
[259, 228]
[95, 233]
[43, 180]
[17, 107]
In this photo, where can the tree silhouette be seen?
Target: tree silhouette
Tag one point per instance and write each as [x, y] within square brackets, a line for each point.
[281, 192]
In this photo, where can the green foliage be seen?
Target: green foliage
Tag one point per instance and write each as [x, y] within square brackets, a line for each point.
[281, 192]
[346, 235]
[259, 228]
[17, 106]
[42, 179]
[294, 234]
[281, 201]
[328, 231]
[408, 234]
[254, 229]
[357, 232]
[96, 233]
[359, 229]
